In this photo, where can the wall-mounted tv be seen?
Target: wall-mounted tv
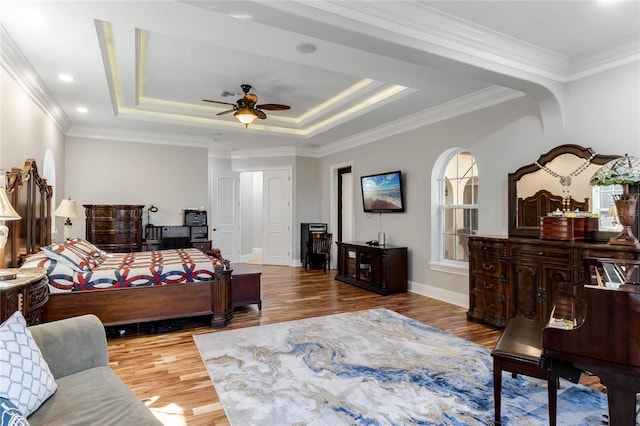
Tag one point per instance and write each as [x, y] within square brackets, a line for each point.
[382, 192]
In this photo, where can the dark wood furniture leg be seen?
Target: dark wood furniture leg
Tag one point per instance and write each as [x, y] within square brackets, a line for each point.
[518, 351]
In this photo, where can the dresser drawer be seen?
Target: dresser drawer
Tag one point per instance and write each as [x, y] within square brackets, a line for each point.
[490, 309]
[488, 248]
[485, 284]
[544, 251]
[492, 267]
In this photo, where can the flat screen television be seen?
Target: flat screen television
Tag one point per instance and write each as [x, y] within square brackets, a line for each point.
[382, 192]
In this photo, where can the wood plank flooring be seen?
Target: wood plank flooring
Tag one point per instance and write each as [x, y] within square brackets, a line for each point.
[166, 371]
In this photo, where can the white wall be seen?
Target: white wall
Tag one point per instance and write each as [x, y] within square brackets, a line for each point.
[109, 172]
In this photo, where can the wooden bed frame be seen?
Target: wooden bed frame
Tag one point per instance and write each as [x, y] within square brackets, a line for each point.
[31, 196]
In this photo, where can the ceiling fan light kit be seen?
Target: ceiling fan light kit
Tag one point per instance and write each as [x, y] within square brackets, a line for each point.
[245, 115]
[246, 110]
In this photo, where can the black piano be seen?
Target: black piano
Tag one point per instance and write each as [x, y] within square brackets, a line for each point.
[595, 327]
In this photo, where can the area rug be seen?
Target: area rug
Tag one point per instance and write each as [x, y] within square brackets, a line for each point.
[373, 367]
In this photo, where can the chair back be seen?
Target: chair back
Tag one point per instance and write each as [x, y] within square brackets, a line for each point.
[152, 236]
[321, 243]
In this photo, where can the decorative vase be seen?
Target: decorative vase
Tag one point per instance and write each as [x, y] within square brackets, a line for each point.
[626, 206]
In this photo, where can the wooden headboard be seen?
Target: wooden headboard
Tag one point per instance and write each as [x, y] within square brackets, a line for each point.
[31, 197]
[542, 202]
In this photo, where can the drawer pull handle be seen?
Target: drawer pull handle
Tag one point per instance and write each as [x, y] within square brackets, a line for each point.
[487, 267]
[488, 285]
[489, 305]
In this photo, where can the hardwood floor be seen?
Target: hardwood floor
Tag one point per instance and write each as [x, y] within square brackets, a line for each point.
[167, 373]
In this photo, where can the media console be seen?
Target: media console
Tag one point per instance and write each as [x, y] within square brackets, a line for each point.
[381, 269]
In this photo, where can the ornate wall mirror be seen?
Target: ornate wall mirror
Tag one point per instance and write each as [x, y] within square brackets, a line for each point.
[558, 180]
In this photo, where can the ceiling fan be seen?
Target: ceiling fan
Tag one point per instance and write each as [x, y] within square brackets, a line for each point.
[246, 110]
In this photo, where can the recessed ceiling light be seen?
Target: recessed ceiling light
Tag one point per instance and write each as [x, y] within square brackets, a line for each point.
[67, 78]
[82, 110]
[306, 48]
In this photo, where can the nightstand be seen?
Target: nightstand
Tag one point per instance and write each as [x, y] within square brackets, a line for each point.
[27, 293]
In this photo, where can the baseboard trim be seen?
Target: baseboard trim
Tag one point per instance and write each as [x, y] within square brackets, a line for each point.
[438, 293]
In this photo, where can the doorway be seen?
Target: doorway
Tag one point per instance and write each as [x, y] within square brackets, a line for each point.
[341, 204]
[251, 215]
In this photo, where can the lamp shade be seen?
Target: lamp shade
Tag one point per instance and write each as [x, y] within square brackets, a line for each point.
[621, 171]
[7, 212]
[67, 208]
[245, 115]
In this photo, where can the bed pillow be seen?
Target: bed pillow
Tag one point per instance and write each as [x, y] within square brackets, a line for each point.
[25, 377]
[86, 246]
[71, 256]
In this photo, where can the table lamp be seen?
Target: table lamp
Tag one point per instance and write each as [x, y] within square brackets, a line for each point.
[7, 212]
[623, 171]
[68, 209]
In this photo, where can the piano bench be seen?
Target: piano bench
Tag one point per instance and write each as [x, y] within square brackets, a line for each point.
[518, 351]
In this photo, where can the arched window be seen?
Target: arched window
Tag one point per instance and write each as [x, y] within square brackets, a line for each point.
[458, 205]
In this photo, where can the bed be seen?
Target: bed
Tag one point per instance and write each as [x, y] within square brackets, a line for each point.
[118, 288]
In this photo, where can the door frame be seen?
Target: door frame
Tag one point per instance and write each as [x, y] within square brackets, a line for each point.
[333, 200]
[289, 169]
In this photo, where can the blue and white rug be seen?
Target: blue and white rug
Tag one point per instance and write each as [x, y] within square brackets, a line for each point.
[373, 367]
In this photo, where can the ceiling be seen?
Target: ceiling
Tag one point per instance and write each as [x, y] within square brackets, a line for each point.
[352, 71]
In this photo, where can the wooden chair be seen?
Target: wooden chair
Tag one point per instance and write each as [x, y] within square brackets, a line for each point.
[152, 237]
[319, 247]
[518, 350]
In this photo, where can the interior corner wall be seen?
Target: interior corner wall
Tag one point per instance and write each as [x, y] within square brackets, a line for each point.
[172, 178]
[27, 132]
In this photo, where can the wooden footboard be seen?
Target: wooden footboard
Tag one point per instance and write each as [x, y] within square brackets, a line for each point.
[116, 306]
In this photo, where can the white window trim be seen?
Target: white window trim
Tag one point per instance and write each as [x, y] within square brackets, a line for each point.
[437, 242]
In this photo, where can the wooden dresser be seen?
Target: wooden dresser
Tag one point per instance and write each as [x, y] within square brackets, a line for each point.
[27, 293]
[114, 227]
[511, 277]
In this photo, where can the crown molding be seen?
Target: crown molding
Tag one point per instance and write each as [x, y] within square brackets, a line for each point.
[476, 101]
[419, 26]
[21, 70]
[605, 58]
[157, 138]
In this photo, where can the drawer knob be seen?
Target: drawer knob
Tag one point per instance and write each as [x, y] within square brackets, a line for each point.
[487, 267]
[489, 305]
[540, 253]
[488, 285]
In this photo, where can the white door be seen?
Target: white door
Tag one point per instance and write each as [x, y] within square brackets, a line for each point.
[276, 249]
[225, 214]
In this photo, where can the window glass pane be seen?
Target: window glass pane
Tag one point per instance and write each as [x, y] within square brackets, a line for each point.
[459, 206]
[603, 197]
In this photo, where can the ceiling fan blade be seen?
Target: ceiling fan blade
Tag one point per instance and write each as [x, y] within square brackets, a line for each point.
[273, 107]
[260, 114]
[225, 112]
[218, 102]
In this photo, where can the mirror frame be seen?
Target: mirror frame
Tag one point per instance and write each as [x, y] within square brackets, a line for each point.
[513, 178]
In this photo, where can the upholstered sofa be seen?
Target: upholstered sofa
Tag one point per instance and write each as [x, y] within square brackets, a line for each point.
[88, 392]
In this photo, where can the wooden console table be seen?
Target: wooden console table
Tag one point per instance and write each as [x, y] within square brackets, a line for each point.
[27, 293]
[381, 269]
